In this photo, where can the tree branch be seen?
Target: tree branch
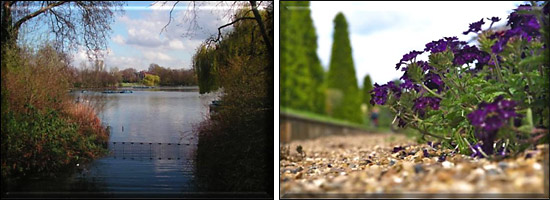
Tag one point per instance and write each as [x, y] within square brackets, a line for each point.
[34, 14]
[262, 27]
[233, 22]
[170, 19]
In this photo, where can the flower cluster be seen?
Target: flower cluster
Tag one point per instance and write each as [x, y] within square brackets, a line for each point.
[433, 81]
[470, 53]
[442, 44]
[407, 57]
[489, 118]
[422, 103]
[474, 27]
[492, 116]
[524, 25]
[380, 92]
[438, 96]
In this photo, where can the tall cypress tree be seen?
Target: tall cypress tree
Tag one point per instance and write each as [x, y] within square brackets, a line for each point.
[367, 87]
[300, 69]
[345, 98]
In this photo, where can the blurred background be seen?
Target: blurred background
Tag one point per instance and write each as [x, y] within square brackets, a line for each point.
[332, 53]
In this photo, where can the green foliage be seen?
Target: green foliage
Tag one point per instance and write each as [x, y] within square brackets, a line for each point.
[240, 131]
[173, 77]
[43, 131]
[151, 80]
[341, 75]
[204, 64]
[367, 87]
[521, 74]
[302, 75]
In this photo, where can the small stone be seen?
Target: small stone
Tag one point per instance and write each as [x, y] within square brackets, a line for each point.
[392, 162]
[447, 164]
[537, 166]
[397, 179]
[299, 175]
[503, 165]
[443, 175]
[418, 168]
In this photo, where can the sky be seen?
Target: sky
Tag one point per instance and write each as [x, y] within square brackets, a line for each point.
[137, 41]
[382, 32]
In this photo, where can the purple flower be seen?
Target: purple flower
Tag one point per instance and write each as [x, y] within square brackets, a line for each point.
[380, 93]
[422, 103]
[407, 57]
[523, 7]
[523, 25]
[489, 118]
[408, 83]
[526, 23]
[425, 152]
[492, 116]
[474, 27]
[433, 81]
[498, 46]
[493, 20]
[441, 158]
[397, 149]
[436, 46]
[425, 66]
[468, 54]
[442, 44]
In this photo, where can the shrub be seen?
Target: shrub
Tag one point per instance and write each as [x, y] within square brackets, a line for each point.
[43, 131]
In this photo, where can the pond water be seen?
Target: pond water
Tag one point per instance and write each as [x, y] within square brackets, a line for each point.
[151, 146]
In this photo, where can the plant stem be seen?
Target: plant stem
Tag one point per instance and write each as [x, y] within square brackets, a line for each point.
[497, 67]
[430, 91]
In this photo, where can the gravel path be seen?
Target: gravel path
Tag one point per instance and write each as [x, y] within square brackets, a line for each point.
[366, 164]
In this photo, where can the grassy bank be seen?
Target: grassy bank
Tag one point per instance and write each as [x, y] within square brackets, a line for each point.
[43, 131]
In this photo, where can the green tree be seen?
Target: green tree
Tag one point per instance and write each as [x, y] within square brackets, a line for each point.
[341, 80]
[151, 80]
[301, 71]
[367, 87]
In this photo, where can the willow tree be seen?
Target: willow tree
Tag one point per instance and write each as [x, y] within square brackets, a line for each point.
[302, 75]
[344, 98]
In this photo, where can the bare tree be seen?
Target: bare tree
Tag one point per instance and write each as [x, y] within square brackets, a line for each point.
[191, 16]
[73, 23]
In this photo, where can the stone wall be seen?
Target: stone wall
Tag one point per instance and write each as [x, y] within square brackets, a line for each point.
[294, 127]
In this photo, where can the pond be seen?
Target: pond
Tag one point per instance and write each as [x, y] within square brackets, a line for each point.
[151, 145]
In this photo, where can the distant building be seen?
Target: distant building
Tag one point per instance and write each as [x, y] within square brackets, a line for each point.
[142, 74]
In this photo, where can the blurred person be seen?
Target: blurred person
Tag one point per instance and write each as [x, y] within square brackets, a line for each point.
[374, 116]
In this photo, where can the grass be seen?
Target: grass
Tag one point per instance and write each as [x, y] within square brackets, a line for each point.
[321, 118]
[130, 84]
[326, 119]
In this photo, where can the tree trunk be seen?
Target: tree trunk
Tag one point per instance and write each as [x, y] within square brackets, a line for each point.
[262, 27]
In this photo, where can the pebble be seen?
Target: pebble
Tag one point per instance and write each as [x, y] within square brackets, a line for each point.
[366, 164]
[418, 168]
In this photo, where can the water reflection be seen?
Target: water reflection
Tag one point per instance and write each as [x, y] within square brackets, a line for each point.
[138, 122]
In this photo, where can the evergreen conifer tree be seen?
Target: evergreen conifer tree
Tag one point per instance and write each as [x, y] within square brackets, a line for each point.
[344, 97]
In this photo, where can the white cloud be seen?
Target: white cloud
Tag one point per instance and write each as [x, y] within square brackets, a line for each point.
[176, 44]
[141, 41]
[118, 39]
[157, 56]
[381, 32]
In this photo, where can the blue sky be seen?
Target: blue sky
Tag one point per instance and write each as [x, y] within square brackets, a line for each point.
[381, 32]
[137, 40]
